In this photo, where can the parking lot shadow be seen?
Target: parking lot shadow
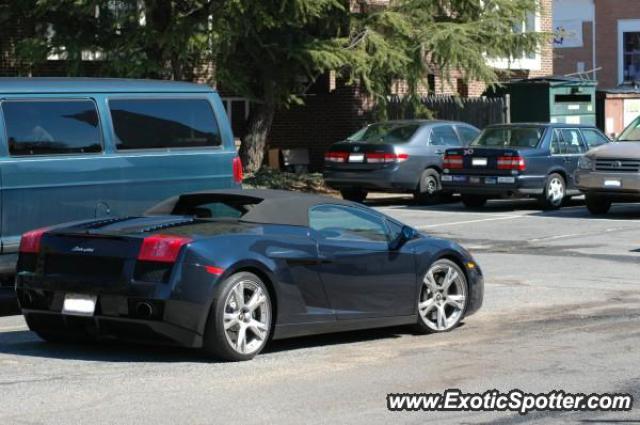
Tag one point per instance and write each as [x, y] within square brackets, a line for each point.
[28, 344]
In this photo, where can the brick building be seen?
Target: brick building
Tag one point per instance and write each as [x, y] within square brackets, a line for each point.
[598, 34]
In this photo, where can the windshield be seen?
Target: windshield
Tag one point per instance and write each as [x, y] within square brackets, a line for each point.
[631, 133]
[504, 137]
[385, 133]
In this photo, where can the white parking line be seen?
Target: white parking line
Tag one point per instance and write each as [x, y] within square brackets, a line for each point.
[14, 328]
[455, 223]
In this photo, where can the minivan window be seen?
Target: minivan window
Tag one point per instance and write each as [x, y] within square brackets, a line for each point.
[385, 133]
[163, 123]
[521, 137]
[47, 127]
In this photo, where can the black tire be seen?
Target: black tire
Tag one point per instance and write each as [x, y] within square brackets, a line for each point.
[421, 325]
[548, 201]
[429, 187]
[216, 342]
[597, 205]
[473, 201]
[354, 195]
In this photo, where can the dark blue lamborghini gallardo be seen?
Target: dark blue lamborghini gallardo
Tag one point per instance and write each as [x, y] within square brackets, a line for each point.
[228, 270]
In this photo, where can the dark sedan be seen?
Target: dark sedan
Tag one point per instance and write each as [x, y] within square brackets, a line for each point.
[402, 156]
[229, 270]
[520, 160]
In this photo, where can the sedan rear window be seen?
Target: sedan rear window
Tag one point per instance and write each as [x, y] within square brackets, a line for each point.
[385, 133]
[518, 137]
[163, 123]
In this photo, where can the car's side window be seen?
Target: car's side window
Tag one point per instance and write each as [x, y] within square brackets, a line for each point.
[443, 135]
[340, 223]
[572, 141]
[163, 123]
[557, 144]
[467, 134]
[52, 127]
[594, 138]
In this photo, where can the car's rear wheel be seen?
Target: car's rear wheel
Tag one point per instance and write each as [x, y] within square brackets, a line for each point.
[239, 323]
[443, 297]
[554, 192]
[429, 187]
[473, 201]
[354, 195]
[597, 205]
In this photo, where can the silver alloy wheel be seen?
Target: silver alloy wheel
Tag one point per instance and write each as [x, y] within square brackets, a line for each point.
[247, 317]
[442, 298]
[555, 190]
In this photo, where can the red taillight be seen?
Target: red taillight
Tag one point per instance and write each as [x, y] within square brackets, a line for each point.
[383, 157]
[238, 175]
[511, 163]
[336, 156]
[30, 241]
[162, 248]
[453, 162]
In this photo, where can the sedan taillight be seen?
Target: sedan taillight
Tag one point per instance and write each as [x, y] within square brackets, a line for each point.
[336, 156]
[162, 248]
[383, 158]
[511, 163]
[30, 241]
[453, 161]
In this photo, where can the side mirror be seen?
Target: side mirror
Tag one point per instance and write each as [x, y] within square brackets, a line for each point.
[406, 234]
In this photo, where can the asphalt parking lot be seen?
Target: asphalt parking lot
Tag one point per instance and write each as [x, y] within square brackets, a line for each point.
[562, 311]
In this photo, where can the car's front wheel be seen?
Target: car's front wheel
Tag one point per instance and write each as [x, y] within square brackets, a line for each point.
[443, 297]
[354, 195]
[239, 323]
[597, 205]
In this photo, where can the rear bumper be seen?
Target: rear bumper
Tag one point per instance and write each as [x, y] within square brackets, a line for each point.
[494, 186]
[614, 186]
[118, 314]
[384, 179]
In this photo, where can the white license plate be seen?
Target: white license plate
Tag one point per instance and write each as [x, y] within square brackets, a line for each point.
[506, 179]
[79, 305]
[479, 162]
[612, 183]
[356, 157]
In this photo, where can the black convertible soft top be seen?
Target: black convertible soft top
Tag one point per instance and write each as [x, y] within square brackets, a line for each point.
[263, 205]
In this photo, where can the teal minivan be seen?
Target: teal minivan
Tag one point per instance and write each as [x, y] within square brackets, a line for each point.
[79, 148]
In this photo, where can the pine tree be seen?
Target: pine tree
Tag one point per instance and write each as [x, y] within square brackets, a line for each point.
[271, 51]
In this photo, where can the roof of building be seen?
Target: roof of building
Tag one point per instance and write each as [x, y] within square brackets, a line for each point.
[267, 206]
[96, 85]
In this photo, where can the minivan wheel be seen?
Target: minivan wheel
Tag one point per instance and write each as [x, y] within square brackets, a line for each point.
[239, 323]
[597, 205]
[442, 297]
[429, 187]
[554, 192]
[473, 201]
[354, 195]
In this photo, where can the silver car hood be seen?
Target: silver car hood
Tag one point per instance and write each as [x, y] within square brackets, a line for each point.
[619, 150]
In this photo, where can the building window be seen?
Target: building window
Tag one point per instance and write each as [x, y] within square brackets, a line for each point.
[531, 61]
[631, 56]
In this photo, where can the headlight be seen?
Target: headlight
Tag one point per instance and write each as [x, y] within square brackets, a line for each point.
[585, 163]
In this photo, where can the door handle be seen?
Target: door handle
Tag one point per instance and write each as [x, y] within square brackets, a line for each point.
[439, 151]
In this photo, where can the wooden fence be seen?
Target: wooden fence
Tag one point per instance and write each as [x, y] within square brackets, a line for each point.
[478, 111]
